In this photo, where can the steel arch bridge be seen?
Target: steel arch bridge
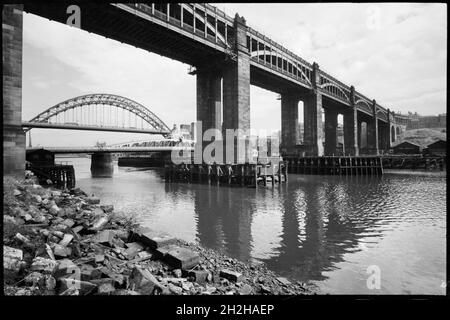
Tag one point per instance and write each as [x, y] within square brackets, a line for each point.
[101, 112]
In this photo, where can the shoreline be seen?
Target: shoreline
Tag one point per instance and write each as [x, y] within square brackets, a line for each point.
[416, 172]
[64, 242]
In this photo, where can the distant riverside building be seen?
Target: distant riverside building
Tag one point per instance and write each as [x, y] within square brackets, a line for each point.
[412, 121]
[407, 147]
[185, 131]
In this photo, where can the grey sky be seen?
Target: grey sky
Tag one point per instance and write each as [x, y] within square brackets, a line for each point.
[395, 53]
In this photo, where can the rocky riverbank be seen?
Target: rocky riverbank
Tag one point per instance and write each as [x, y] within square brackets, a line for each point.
[65, 242]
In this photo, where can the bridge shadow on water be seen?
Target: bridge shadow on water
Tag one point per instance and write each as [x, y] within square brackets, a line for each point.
[301, 229]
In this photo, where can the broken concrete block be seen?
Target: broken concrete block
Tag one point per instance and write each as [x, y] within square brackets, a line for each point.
[77, 229]
[21, 238]
[66, 268]
[35, 279]
[283, 281]
[84, 287]
[182, 258]
[99, 258]
[99, 223]
[44, 265]
[97, 212]
[144, 282]
[66, 239]
[104, 286]
[104, 237]
[177, 273]
[153, 239]
[175, 289]
[61, 251]
[199, 276]
[119, 279]
[28, 217]
[230, 275]
[12, 259]
[161, 252]
[133, 249]
[68, 222]
[54, 209]
[88, 272]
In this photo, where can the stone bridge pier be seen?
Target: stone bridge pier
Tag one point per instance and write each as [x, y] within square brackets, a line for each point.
[312, 115]
[224, 88]
[102, 165]
[13, 134]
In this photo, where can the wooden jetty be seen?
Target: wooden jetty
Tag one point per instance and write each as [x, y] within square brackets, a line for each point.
[262, 173]
[414, 162]
[61, 176]
[335, 165]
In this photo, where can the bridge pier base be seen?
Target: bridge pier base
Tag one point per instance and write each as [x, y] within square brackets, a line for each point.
[236, 91]
[330, 132]
[312, 109]
[209, 102]
[102, 165]
[13, 135]
[351, 133]
[313, 125]
[289, 123]
[372, 132]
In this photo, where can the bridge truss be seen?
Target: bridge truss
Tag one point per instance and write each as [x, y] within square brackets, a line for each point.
[101, 110]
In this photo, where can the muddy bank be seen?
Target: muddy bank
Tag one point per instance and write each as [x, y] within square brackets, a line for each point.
[69, 243]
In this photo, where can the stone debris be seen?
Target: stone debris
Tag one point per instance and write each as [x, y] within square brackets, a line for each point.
[231, 275]
[66, 243]
[12, 259]
[182, 258]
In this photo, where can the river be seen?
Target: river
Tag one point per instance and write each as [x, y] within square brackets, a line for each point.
[333, 232]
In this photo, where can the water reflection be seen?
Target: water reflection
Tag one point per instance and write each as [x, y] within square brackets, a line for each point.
[322, 228]
[319, 221]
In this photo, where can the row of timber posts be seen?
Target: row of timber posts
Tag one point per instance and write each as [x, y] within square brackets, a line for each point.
[61, 176]
[335, 165]
[248, 174]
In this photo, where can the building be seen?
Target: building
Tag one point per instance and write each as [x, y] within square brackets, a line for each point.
[407, 147]
[437, 148]
[184, 132]
[415, 121]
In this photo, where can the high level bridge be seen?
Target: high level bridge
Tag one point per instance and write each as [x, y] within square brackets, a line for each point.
[220, 48]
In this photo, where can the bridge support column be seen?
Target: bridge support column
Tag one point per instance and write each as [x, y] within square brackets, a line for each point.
[236, 90]
[359, 136]
[351, 127]
[289, 123]
[372, 131]
[209, 102]
[384, 138]
[13, 134]
[330, 132]
[313, 118]
[102, 165]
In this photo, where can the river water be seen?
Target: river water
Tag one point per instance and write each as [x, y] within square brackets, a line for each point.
[333, 232]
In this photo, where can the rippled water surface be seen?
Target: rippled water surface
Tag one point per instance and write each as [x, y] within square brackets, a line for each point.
[323, 229]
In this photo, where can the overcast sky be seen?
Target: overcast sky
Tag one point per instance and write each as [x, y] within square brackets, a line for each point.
[394, 53]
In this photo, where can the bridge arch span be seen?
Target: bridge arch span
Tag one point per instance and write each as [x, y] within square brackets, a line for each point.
[103, 99]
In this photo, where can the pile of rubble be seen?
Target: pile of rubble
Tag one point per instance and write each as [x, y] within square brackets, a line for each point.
[67, 243]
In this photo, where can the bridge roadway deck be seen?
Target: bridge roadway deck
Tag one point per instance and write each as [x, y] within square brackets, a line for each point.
[27, 124]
